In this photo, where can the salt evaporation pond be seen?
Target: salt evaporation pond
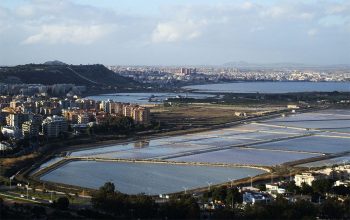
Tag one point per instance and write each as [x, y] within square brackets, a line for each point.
[134, 178]
[328, 162]
[310, 144]
[246, 156]
[164, 178]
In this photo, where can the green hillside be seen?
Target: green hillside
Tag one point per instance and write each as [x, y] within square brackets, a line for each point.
[48, 74]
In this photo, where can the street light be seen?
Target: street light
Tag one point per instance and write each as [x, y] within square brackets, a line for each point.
[27, 186]
[344, 162]
[271, 177]
[251, 181]
[209, 185]
[185, 188]
[231, 181]
[11, 178]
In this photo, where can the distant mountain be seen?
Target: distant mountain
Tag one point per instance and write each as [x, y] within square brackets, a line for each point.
[56, 72]
[246, 65]
[55, 63]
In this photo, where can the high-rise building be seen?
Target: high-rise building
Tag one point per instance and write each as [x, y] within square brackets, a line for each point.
[128, 110]
[54, 126]
[141, 115]
[16, 119]
[116, 108]
[83, 119]
[30, 129]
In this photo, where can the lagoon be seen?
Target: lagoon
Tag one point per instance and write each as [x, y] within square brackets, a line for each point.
[142, 98]
[271, 87]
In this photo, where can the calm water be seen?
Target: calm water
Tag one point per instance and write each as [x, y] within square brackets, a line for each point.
[246, 156]
[338, 161]
[144, 98]
[310, 144]
[133, 178]
[273, 87]
[247, 135]
[156, 178]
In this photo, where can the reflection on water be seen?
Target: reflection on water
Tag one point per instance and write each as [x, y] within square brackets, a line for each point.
[165, 178]
[273, 87]
[146, 98]
[142, 143]
[133, 178]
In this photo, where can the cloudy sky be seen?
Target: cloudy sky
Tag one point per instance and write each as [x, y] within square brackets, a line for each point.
[174, 32]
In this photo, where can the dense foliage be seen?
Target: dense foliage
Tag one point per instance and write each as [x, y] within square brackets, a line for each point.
[63, 74]
[110, 201]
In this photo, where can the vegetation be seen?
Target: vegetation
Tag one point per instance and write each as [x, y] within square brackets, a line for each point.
[61, 203]
[108, 200]
[97, 75]
[120, 125]
[113, 124]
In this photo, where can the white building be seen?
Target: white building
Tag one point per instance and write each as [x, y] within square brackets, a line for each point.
[274, 189]
[54, 126]
[5, 146]
[253, 197]
[83, 119]
[11, 132]
[307, 178]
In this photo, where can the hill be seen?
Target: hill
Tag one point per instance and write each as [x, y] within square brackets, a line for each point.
[58, 73]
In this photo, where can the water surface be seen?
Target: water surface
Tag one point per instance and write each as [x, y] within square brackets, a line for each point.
[273, 87]
[145, 97]
[134, 178]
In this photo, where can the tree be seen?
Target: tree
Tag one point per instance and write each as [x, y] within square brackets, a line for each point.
[233, 196]
[144, 206]
[219, 193]
[184, 207]
[108, 187]
[306, 189]
[262, 187]
[331, 208]
[303, 209]
[341, 190]
[62, 203]
[38, 211]
[322, 186]
[292, 188]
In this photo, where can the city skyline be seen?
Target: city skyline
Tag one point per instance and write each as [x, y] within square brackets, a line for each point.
[174, 32]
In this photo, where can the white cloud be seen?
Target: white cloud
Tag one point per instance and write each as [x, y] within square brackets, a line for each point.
[312, 32]
[230, 29]
[338, 9]
[275, 12]
[257, 29]
[177, 31]
[74, 34]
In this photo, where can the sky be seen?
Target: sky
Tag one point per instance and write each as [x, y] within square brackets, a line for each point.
[174, 32]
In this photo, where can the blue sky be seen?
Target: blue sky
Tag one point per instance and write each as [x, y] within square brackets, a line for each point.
[174, 32]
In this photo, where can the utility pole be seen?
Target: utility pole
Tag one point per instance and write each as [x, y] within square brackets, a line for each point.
[27, 190]
[185, 188]
[209, 185]
[271, 177]
[231, 181]
[11, 178]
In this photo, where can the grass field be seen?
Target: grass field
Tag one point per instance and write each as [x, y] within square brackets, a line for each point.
[204, 114]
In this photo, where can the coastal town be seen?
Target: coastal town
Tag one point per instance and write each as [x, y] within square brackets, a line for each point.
[40, 116]
[171, 110]
[176, 75]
